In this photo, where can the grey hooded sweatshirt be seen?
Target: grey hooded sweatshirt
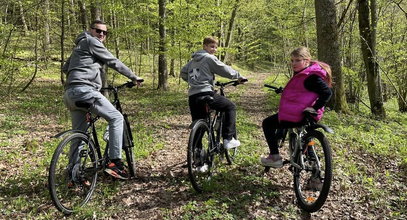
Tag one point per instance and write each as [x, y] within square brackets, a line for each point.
[84, 66]
[200, 72]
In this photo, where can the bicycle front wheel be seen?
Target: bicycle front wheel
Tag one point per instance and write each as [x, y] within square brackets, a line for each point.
[312, 183]
[198, 156]
[230, 154]
[73, 172]
[128, 146]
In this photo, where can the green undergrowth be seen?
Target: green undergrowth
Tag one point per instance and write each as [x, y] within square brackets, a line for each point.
[368, 153]
[29, 119]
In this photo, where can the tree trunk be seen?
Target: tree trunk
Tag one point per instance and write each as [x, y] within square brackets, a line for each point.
[230, 30]
[62, 40]
[22, 16]
[368, 51]
[35, 54]
[328, 49]
[47, 23]
[162, 61]
[96, 12]
[304, 25]
[83, 16]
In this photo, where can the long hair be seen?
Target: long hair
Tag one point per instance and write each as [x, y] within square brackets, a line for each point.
[304, 53]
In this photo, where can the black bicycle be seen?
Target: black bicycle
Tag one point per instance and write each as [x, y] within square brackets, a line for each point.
[205, 149]
[310, 161]
[78, 158]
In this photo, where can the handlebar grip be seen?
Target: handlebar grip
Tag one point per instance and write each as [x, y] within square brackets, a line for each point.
[130, 84]
[244, 80]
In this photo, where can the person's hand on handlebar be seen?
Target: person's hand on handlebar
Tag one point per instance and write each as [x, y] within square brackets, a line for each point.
[242, 80]
[138, 81]
[279, 90]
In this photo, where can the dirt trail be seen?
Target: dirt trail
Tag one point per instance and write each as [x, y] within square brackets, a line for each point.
[160, 175]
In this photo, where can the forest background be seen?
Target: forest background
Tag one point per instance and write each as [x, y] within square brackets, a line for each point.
[363, 40]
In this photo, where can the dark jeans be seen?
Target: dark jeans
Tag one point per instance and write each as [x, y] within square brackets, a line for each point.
[220, 103]
[271, 127]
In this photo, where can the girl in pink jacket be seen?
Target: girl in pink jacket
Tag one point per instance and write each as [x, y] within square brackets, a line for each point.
[308, 90]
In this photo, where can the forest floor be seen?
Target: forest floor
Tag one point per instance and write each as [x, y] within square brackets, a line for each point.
[161, 192]
[365, 186]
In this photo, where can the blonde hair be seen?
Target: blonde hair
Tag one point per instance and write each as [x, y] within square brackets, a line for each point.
[304, 53]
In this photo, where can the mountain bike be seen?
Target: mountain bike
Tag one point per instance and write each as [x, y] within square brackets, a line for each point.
[205, 149]
[78, 158]
[310, 161]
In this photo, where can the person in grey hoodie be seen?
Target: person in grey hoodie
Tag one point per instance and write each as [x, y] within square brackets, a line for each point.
[83, 83]
[200, 75]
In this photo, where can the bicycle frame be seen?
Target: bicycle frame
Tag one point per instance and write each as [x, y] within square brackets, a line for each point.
[214, 118]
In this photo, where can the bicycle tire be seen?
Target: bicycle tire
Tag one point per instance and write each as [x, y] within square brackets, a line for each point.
[128, 146]
[312, 184]
[230, 154]
[199, 145]
[71, 185]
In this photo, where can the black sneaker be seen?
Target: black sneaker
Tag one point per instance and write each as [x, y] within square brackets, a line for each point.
[117, 170]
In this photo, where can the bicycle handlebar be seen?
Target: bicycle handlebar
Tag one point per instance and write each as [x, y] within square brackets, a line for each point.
[276, 90]
[270, 86]
[233, 82]
[128, 84]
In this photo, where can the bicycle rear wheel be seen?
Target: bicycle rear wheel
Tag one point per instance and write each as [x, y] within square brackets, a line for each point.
[73, 172]
[198, 157]
[128, 146]
[312, 184]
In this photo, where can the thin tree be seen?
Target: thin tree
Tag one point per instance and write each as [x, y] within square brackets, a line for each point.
[83, 16]
[230, 29]
[328, 49]
[47, 23]
[62, 40]
[162, 61]
[367, 31]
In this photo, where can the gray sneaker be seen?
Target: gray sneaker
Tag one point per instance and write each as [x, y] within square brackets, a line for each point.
[273, 160]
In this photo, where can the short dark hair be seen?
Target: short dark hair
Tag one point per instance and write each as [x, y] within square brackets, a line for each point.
[210, 40]
[92, 25]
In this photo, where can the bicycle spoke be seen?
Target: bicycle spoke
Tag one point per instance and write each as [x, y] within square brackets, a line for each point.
[73, 173]
[312, 183]
[200, 163]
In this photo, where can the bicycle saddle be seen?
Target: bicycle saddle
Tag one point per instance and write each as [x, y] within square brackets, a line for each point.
[206, 98]
[85, 104]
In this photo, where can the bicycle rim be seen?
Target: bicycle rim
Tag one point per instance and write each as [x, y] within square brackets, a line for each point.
[71, 183]
[312, 184]
[198, 156]
[230, 154]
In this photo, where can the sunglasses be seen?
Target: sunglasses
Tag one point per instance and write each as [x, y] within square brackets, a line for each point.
[100, 31]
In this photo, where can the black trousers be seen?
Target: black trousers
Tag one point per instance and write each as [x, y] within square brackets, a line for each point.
[272, 130]
[220, 103]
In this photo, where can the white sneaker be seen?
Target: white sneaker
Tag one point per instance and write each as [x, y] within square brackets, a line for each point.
[273, 160]
[203, 168]
[230, 144]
